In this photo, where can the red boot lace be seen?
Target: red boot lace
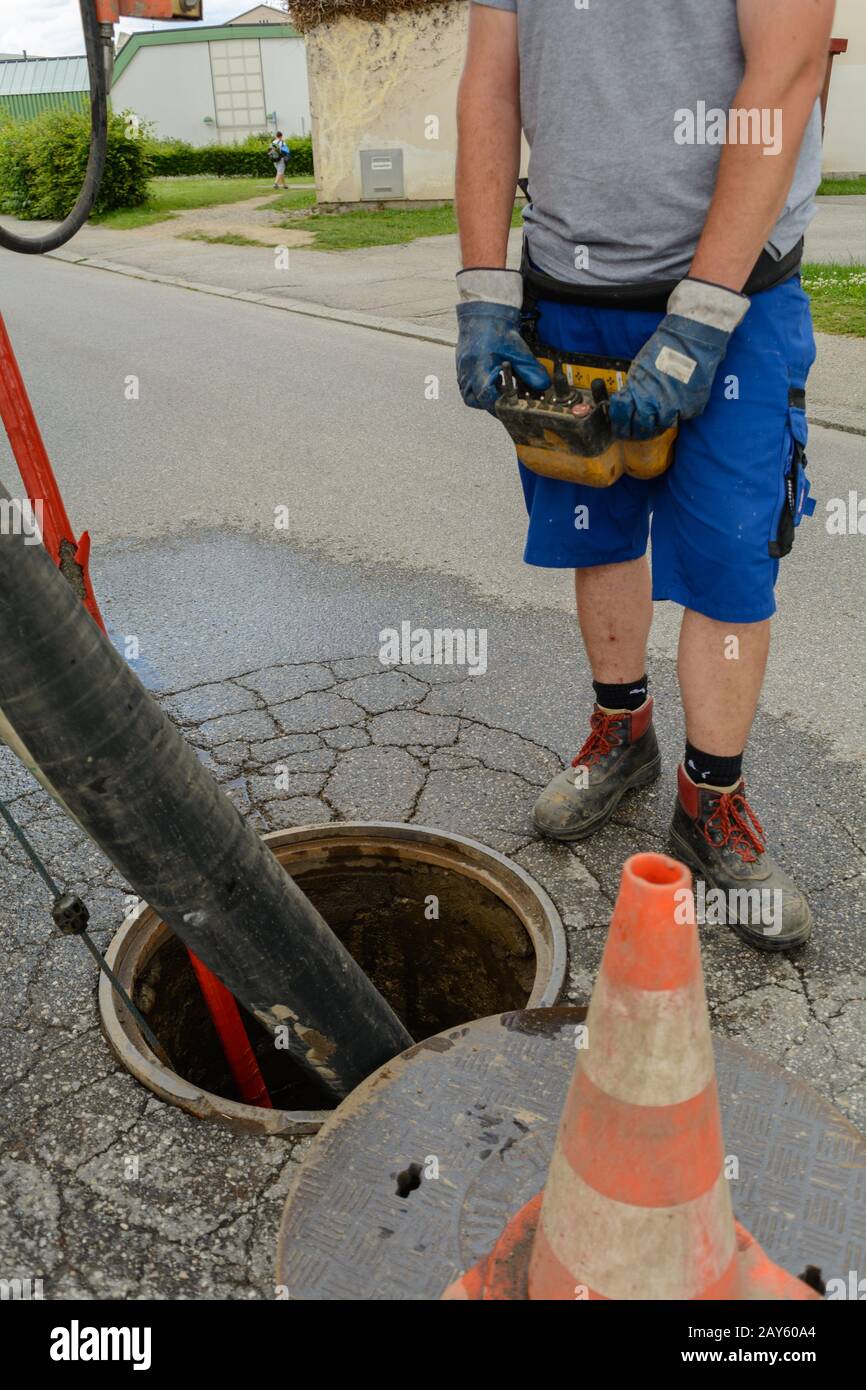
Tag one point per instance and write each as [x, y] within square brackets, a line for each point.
[600, 741]
[739, 826]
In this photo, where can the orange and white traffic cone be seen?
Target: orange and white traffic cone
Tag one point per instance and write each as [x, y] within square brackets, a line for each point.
[636, 1204]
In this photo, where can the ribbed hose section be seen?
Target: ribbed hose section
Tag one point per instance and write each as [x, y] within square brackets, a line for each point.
[138, 790]
[98, 45]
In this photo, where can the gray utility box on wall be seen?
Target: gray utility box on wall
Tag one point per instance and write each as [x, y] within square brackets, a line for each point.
[381, 174]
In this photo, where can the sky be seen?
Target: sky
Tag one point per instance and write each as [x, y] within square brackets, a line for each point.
[52, 28]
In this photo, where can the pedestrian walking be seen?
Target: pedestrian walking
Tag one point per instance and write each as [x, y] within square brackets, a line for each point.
[280, 153]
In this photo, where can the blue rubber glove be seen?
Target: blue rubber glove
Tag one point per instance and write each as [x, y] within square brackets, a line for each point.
[672, 376]
[488, 317]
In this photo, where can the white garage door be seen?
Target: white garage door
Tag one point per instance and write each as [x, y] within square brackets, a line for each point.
[239, 91]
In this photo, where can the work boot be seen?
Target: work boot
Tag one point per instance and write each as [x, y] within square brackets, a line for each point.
[621, 752]
[719, 836]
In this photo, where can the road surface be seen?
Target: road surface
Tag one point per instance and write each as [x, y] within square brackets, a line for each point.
[182, 426]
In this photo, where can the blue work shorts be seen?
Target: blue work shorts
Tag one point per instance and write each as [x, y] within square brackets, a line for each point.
[716, 515]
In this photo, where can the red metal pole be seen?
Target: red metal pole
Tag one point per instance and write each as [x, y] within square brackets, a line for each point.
[70, 555]
[72, 558]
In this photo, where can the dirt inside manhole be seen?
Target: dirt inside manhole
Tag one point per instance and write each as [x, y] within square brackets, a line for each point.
[437, 971]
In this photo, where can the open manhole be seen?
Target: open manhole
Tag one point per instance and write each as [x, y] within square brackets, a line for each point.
[447, 929]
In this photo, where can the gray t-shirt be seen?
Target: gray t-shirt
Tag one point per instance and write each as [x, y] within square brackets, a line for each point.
[625, 106]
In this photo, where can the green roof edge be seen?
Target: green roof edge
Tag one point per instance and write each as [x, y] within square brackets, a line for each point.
[226, 31]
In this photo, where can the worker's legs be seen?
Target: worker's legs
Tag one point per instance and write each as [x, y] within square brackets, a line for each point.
[714, 829]
[614, 608]
[602, 534]
[722, 518]
[720, 665]
[721, 670]
[725, 518]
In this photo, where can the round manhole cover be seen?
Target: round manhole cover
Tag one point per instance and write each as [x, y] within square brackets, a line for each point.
[476, 1110]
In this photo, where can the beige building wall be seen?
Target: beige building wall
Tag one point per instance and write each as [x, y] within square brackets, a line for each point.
[845, 133]
[385, 86]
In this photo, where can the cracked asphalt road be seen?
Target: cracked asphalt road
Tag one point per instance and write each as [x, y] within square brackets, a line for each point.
[107, 1192]
[263, 648]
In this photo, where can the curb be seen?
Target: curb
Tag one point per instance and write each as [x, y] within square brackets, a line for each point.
[845, 421]
[402, 328]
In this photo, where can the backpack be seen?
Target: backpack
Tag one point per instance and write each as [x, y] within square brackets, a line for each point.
[275, 153]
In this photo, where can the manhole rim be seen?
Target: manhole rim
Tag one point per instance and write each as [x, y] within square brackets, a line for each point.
[141, 933]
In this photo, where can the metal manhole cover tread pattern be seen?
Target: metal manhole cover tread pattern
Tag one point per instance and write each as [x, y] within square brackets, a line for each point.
[802, 1184]
[477, 1108]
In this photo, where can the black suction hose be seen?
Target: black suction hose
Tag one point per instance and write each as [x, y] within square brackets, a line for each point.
[117, 763]
[100, 55]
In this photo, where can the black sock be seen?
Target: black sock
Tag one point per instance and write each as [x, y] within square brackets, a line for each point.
[708, 769]
[631, 695]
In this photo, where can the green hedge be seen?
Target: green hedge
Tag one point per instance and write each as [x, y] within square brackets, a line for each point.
[43, 161]
[174, 157]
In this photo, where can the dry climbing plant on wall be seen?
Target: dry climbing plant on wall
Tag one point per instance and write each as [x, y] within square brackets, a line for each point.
[306, 14]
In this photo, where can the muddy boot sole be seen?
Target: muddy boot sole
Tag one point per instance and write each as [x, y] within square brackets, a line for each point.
[745, 932]
[650, 772]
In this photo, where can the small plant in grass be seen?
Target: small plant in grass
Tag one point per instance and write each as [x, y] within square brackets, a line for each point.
[294, 200]
[838, 296]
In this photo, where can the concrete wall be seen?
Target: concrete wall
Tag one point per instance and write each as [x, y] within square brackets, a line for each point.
[170, 86]
[383, 86]
[845, 134]
[284, 65]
